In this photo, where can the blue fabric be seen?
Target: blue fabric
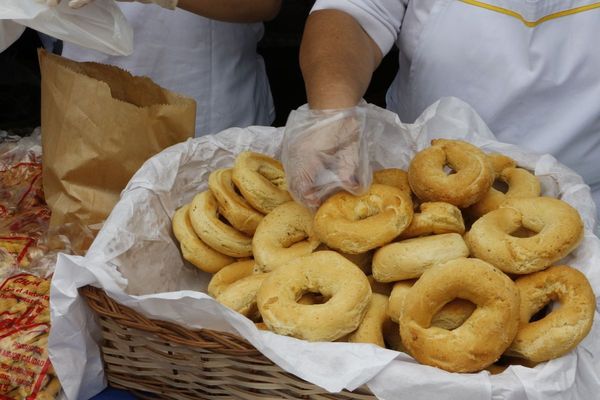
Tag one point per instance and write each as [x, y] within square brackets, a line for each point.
[114, 394]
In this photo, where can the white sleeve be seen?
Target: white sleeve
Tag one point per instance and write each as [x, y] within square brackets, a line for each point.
[381, 19]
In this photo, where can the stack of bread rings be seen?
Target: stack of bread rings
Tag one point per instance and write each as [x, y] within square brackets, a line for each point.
[455, 261]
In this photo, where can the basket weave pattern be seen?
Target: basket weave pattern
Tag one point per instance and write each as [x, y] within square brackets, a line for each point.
[173, 362]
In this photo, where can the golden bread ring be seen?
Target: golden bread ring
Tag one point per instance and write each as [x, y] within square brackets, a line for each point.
[229, 274]
[392, 177]
[240, 296]
[557, 225]
[204, 215]
[324, 272]
[357, 224]
[560, 331]
[500, 162]
[261, 181]
[370, 329]
[410, 258]
[450, 317]
[435, 218]
[473, 178]
[284, 234]
[521, 183]
[233, 206]
[193, 249]
[482, 339]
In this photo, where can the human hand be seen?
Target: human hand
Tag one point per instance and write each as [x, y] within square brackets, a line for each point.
[324, 152]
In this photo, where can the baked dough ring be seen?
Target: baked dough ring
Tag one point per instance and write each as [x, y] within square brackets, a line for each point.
[500, 162]
[241, 295]
[558, 225]
[325, 272]
[473, 178]
[483, 337]
[521, 183]
[392, 177]
[229, 274]
[357, 224]
[233, 206]
[193, 249]
[261, 181]
[370, 329]
[435, 218]
[410, 258]
[560, 331]
[450, 317]
[204, 215]
[284, 234]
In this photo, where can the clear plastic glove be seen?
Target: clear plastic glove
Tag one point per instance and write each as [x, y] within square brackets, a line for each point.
[170, 4]
[325, 151]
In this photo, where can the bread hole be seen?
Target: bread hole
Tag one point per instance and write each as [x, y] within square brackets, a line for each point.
[368, 207]
[500, 186]
[293, 237]
[545, 310]
[273, 175]
[312, 298]
[523, 232]
[453, 314]
[448, 170]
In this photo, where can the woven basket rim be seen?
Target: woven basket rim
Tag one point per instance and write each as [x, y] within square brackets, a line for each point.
[216, 341]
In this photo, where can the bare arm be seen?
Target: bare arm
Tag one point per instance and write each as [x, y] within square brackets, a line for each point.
[233, 10]
[337, 58]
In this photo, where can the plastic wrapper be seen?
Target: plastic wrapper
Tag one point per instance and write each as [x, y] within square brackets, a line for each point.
[28, 251]
[100, 25]
[324, 151]
[136, 261]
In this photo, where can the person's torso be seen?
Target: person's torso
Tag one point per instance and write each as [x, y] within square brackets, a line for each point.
[214, 62]
[529, 68]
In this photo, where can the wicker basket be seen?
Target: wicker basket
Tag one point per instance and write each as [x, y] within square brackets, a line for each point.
[156, 358]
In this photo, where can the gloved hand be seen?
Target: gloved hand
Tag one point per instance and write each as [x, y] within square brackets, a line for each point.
[170, 4]
[325, 151]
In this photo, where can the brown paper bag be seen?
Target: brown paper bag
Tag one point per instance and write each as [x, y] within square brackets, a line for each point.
[99, 124]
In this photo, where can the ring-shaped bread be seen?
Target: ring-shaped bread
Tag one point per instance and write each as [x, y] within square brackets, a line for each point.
[472, 179]
[204, 216]
[193, 248]
[410, 258]
[563, 328]
[284, 234]
[357, 224]
[520, 182]
[450, 317]
[241, 295]
[229, 274]
[482, 338]
[261, 180]
[370, 329]
[435, 218]
[232, 205]
[392, 177]
[500, 162]
[344, 285]
[557, 226]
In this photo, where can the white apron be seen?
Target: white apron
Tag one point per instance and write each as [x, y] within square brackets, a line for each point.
[214, 62]
[531, 68]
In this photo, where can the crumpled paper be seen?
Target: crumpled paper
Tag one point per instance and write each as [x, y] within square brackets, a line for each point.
[136, 260]
[99, 26]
